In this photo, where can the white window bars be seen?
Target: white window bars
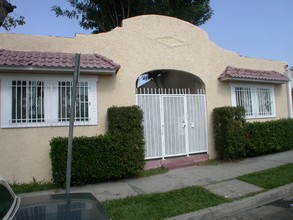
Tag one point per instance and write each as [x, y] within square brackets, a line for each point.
[258, 101]
[27, 101]
[64, 96]
[43, 101]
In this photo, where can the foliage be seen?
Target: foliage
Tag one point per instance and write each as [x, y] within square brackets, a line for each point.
[125, 123]
[12, 21]
[269, 137]
[126, 127]
[162, 205]
[117, 154]
[271, 178]
[7, 21]
[235, 138]
[104, 15]
[227, 124]
[32, 186]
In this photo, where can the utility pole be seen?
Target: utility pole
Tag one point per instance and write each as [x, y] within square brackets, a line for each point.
[71, 122]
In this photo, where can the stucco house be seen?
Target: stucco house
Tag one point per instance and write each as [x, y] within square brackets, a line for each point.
[193, 76]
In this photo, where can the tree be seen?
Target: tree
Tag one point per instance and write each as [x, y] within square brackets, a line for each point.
[104, 15]
[7, 21]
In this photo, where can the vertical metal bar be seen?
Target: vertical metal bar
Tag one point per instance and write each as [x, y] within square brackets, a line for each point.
[16, 102]
[161, 101]
[79, 105]
[186, 128]
[41, 99]
[31, 101]
[21, 98]
[36, 93]
[71, 122]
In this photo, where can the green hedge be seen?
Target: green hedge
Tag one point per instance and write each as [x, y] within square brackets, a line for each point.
[269, 137]
[235, 138]
[115, 155]
[126, 127]
[227, 124]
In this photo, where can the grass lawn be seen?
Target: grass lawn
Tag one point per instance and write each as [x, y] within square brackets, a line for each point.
[272, 178]
[162, 205]
[33, 186]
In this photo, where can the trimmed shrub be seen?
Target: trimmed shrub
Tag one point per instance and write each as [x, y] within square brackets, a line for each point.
[269, 137]
[126, 127]
[90, 159]
[115, 155]
[234, 138]
[228, 125]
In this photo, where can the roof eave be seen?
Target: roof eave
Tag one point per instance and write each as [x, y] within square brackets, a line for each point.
[231, 79]
[48, 70]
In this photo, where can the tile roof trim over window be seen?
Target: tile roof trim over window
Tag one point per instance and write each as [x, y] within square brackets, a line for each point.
[249, 75]
[30, 61]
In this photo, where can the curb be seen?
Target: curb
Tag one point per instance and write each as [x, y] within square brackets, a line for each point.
[239, 206]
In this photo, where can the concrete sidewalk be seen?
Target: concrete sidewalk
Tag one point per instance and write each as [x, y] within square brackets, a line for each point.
[216, 178]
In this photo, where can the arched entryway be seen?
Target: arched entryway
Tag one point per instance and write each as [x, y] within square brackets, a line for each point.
[174, 107]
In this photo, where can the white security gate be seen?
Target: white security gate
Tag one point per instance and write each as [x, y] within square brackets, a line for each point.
[174, 124]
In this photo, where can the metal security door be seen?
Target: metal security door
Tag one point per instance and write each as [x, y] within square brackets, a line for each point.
[173, 125]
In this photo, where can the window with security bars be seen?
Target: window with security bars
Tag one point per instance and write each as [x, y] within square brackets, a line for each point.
[27, 101]
[81, 106]
[45, 102]
[258, 101]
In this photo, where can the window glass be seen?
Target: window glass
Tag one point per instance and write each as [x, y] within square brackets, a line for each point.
[27, 101]
[6, 201]
[81, 106]
[264, 100]
[258, 101]
[243, 98]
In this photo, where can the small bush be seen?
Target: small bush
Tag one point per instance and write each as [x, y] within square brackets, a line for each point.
[94, 159]
[115, 155]
[228, 125]
[126, 127]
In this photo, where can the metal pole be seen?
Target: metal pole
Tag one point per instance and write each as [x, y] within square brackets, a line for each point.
[71, 122]
[289, 91]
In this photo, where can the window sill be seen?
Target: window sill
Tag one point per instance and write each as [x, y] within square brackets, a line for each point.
[47, 125]
[260, 117]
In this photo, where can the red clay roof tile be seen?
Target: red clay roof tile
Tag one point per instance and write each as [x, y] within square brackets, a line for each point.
[51, 59]
[232, 73]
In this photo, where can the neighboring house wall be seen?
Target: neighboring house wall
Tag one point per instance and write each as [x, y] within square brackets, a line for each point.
[290, 91]
[142, 44]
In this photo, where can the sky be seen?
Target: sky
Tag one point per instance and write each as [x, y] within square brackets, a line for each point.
[252, 28]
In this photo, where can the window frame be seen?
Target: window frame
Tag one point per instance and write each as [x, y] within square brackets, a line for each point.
[51, 97]
[255, 104]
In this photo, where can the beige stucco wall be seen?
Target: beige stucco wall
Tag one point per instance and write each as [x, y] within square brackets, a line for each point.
[142, 44]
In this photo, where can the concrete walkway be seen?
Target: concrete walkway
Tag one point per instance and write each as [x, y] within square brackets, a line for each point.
[219, 179]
